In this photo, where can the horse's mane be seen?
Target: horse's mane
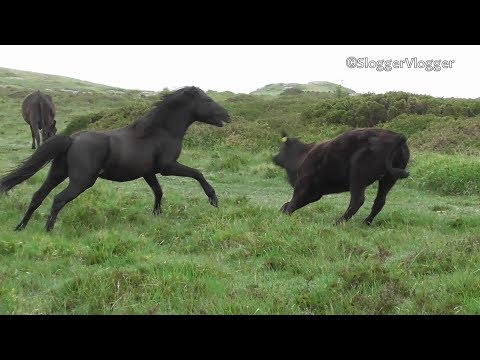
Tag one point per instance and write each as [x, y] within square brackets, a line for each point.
[150, 120]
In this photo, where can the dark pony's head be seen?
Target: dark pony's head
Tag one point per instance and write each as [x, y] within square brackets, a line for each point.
[201, 107]
[289, 150]
[49, 130]
[290, 156]
[47, 109]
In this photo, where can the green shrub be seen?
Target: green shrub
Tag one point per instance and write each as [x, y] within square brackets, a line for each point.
[450, 136]
[409, 125]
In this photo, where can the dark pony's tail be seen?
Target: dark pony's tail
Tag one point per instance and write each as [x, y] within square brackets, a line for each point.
[397, 173]
[41, 120]
[48, 151]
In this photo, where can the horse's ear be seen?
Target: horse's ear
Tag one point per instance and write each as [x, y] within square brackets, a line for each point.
[191, 91]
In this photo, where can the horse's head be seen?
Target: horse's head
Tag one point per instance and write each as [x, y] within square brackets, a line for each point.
[204, 109]
[290, 156]
[49, 130]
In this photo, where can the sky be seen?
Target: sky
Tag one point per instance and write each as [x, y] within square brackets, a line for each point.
[245, 68]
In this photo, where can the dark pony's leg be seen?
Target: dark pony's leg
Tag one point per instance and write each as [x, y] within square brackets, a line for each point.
[85, 159]
[33, 138]
[359, 180]
[357, 198]
[177, 169]
[73, 189]
[303, 194]
[58, 173]
[384, 186]
[152, 181]
[35, 132]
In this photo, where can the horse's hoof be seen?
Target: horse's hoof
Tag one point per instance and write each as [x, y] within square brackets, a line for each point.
[49, 227]
[339, 221]
[367, 222]
[20, 227]
[157, 212]
[213, 200]
[284, 208]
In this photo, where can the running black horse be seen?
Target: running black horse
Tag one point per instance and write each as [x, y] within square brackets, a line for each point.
[150, 145]
[38, 111]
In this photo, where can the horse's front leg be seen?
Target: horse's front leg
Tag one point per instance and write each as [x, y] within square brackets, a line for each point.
[152, 181]
[177, 169]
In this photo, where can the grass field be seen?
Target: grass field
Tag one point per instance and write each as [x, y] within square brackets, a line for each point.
[108, 254]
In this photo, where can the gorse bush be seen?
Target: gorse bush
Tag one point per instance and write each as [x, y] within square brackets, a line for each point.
[109, 119]
[370, 110]
[81, 122]
[450, 136]
[409, 125]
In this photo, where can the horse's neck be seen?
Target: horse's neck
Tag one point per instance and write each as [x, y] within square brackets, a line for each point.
[174, 123]
[175, 128]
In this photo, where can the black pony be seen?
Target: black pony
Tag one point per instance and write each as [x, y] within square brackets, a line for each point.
[38, 111]
[351, 162]
[148, 146]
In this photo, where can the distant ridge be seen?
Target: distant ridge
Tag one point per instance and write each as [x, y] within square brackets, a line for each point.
[29, 79]
[317, 86]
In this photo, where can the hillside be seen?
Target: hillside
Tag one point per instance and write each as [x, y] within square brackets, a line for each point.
[32, 80]
[316, 86]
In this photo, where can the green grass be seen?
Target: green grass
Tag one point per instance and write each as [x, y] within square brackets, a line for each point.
[446, 174]
[108, 254]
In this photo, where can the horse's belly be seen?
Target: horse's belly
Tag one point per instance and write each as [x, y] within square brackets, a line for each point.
[122, 174]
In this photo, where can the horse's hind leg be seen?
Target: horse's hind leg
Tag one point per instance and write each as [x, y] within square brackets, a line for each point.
[357, 198]
[384, 186]
[85, 159]
[33, 140]
[152, 181]
[35, 136]
[57, 173]
[74, 189]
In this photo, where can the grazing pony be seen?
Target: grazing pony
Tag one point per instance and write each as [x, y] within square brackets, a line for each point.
[350, 162]
[146, 147]
[38, 111]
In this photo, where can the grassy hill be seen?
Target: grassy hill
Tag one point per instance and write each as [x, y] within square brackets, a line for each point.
[314, 86]
[109, 255]
[32, 80]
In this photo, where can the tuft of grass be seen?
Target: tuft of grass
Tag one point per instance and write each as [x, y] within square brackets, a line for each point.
[446, 174]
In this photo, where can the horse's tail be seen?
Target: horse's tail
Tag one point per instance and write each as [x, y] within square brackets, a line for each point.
[48, 151]
[401, 145]
[41, 117]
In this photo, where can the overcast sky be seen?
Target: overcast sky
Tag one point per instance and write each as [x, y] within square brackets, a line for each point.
[244, 68]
